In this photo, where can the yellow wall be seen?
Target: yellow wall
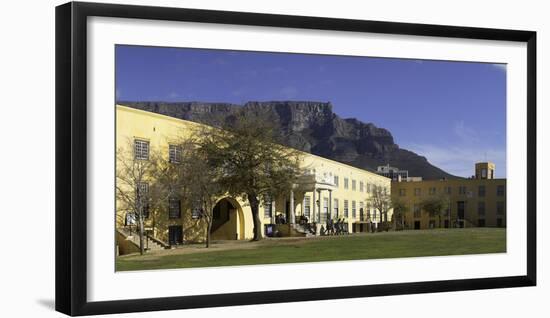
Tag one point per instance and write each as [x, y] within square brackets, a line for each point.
[161, 130]
[470, 197]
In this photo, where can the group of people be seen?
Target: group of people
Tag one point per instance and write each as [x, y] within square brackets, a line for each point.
[335, 228]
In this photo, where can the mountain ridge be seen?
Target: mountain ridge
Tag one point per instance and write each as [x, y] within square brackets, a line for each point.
[312, 127]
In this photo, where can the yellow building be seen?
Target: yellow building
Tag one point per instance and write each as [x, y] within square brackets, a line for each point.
[476, 202]
[327, 190]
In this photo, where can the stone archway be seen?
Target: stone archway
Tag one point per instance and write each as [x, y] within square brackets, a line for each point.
[228, 220]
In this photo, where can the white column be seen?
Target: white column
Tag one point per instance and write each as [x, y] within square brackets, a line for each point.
[313, 206]
[272, 210]
[292, 212]
[329, 214]
[304, 205]
[320, 205]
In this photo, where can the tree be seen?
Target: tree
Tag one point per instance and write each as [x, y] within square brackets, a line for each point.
[200, 183]
[143, 183]
[399, 210]
[381, 201]
[436, 205]
[254, 165]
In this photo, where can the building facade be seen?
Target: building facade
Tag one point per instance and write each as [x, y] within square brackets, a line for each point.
[327, 190]
[475, 202]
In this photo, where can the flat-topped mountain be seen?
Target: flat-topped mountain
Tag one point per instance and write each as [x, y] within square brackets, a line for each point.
[312, 127]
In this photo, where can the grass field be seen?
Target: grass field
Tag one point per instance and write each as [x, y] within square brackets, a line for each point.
[335, 248]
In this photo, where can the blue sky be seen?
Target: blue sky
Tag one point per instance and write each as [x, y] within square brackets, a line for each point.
[453, 113]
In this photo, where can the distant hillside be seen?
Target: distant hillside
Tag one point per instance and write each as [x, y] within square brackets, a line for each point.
[312, 127]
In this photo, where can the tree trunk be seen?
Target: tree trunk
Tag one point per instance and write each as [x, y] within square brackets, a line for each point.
[209, 228]
[141, 245]
[253, 200]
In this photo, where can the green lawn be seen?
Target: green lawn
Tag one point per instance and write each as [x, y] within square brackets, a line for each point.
[352, 247]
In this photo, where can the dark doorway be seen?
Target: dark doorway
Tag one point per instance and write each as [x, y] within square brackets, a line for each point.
[499, 222]
[481, 222]
[221, 214]
[175, 234]
[446, 224]
[460, 208]
[417, 225]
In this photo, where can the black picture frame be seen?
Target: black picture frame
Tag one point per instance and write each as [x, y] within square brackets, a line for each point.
[71, 157]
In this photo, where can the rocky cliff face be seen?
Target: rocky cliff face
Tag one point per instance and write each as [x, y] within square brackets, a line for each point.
[312, 127]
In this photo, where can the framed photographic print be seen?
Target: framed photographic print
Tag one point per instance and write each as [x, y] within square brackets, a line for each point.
[212, 158]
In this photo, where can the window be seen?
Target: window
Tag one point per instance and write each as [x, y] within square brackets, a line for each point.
[335, 208]
[346, 183]
[481, 191]
[353, 185]
[447, 190]
[416, 210]
[307, 206]
[481, 208]
[417, 192]
[499, 222]
[174, 208]
[500, 190]
[353, 209]
[361, 186]
[267, 207]
[142, 189]
[484, 173]
[141, 149]
[336, 181]
[431, 224]
[362, 211]
[432, 190]
[500, 207]
[174, 154]
[142, 200]
[462, 190]
[346, 208]
[368, 187]
[402, 192]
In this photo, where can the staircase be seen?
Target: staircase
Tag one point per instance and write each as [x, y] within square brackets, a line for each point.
[150, 243]
[299, 230]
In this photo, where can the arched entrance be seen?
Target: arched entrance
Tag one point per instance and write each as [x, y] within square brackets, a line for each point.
[227, 220]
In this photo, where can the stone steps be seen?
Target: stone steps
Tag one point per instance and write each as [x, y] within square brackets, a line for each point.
[299, 230]
[134, 238]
